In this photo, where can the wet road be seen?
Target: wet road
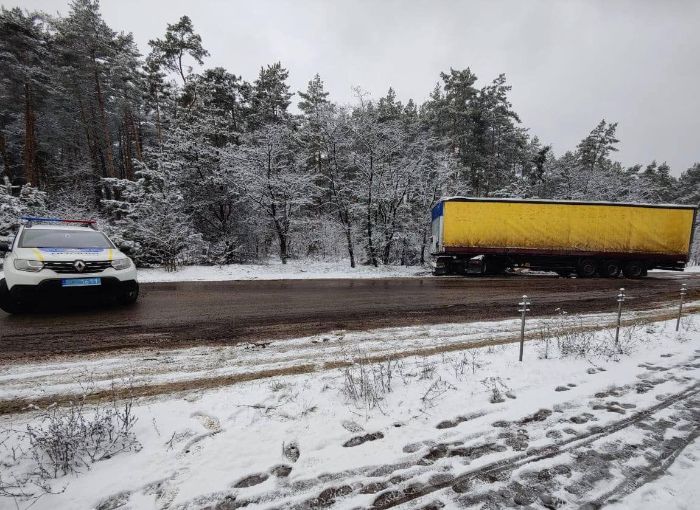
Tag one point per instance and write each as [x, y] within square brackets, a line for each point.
[170, 315]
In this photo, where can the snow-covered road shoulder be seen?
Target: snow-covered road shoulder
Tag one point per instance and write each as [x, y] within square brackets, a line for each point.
[275, 270]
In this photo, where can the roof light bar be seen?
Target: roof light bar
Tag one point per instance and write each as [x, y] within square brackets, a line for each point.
[57, 220]
[33, 219]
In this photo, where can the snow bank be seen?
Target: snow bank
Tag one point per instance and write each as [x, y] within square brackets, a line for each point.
[275, 270]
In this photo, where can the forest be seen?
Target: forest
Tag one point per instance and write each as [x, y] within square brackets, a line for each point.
[206, 167]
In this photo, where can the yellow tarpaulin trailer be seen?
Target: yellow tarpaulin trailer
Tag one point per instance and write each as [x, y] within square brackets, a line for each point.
[561, 234]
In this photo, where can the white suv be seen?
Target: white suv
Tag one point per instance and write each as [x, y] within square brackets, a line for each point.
[51, 258]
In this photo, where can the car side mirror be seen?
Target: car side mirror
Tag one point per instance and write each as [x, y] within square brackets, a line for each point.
[126, 250]
[4, 247]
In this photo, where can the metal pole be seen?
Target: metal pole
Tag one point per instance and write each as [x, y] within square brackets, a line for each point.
[523, 310]
[620, 300]
[684, 291]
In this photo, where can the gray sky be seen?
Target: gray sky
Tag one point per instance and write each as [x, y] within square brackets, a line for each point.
[570, 63]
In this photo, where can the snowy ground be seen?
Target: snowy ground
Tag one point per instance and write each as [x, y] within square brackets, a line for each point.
[454, 428]
[275, 270]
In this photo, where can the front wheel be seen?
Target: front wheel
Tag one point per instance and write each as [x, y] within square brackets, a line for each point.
[8, 304]
[129, 296]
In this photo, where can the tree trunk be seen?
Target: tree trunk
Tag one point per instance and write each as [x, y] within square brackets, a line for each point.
[159, 130]
[109, 158]
[30, 172]
[283, 242]
[5, 158]
[351, 247]
[125, 142]
[134, 135]
[370, 245]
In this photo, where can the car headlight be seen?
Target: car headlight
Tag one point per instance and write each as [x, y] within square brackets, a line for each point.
[33, 266]
[120, 264]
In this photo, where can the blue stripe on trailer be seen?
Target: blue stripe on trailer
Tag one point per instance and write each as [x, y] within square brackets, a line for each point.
[437, 210]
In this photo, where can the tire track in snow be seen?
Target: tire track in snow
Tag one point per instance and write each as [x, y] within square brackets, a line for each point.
[538, 454]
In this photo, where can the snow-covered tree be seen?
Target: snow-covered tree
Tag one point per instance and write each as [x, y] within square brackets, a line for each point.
[274, 180]
[150, 219]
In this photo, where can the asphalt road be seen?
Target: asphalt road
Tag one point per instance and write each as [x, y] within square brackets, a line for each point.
[170, 315]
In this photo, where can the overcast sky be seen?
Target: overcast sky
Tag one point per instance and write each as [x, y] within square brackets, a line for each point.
[571, 63]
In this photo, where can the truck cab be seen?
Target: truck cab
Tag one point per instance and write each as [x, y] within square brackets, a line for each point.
[54, 259]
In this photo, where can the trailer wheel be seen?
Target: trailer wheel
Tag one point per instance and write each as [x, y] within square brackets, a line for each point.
[634, 269]
[494, 266]
[610, 269]
[587, 268]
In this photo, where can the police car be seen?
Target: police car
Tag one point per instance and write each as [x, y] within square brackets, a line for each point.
[52, 258]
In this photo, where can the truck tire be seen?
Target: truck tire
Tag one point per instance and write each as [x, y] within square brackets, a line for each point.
[609, 269]
[494, 266]
[8, 304]
[634, 269]
[587, 268]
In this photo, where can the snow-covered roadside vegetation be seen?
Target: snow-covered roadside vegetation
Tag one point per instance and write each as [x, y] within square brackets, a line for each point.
[367, 432]
[275, 270]
[293, 270]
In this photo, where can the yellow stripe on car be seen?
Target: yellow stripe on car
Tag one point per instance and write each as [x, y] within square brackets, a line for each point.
[109, 254]
[38, 254]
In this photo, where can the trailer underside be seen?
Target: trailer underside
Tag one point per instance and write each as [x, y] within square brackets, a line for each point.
[584, 265]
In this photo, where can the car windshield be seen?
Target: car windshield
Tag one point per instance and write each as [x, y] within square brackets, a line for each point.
[54, 238]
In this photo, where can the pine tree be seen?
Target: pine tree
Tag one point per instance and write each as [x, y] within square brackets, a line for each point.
[270, 96]
[180, 41]
[150, 219]
[315, 99]
[24, 81]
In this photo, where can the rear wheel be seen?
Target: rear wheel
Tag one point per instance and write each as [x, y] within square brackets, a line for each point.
[129, 296]
[494, 266]
[634, 269]
[8, 304]
[609, 269]
[587, 268]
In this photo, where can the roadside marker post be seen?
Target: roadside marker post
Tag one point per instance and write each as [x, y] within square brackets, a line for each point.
[523, 310]
[620, 300]
[684, 291]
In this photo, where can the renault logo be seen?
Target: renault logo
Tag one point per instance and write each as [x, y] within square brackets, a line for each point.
[79, 265]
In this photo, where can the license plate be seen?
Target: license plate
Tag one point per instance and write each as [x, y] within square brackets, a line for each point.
[81, 282]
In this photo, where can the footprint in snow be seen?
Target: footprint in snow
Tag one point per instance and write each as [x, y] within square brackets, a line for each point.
[281, 471]
[358, 440]
[351, 426]
[251, 480]
[291, 451]
[209, 422]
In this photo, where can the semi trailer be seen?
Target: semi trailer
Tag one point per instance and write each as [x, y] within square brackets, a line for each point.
[491, 235]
